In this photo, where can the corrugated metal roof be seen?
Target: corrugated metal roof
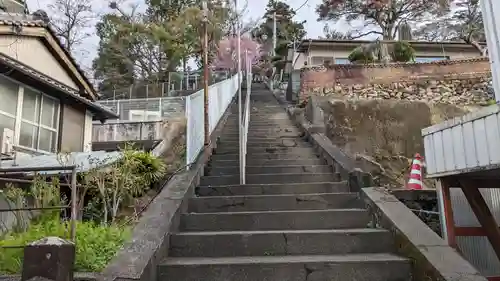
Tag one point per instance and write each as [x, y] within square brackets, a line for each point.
[83, 160]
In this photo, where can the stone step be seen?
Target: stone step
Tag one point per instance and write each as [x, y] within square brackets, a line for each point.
[235, 170]
[312, 160]
[271, 150]
[280, 242]
[270, 189]
[264, 156]
[251, 203]
[356, 267]
[267, 178]
[275, 220]
[250, 139]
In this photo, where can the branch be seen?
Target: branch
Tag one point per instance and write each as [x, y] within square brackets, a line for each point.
[364, 34]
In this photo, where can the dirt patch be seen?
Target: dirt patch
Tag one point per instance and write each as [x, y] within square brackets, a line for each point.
[385, 133]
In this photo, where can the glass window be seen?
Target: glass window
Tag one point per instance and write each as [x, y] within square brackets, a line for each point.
[28, 136]
[39, 121]
[31, 105]
[342, 61]
[9, 91]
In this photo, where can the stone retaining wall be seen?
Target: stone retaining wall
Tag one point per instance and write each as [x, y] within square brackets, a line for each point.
[457, 81]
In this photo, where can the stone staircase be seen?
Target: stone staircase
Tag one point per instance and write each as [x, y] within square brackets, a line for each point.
[291, 221]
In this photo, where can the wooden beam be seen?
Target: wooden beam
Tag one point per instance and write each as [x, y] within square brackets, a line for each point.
[469, 231]
[448, 213]
[483, 213]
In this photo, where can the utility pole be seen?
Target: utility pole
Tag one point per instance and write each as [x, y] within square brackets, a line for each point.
[205, 72]
[491, 19]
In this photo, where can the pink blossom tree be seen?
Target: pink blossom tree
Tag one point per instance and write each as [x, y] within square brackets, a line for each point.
[227, 53]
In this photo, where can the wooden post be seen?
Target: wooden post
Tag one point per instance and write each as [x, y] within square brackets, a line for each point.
[448, 213]
[51, 257]
[483, 214]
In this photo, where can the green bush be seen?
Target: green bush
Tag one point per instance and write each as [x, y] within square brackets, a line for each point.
[402, 52]
[359, 56]
[148, 166]
[96, 244]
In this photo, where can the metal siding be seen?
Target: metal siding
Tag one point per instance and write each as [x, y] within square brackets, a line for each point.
[459, 147]
[462, 212]
[478, 251]
[449, 157]
[481, 142]
[493, 137]
[429, 155]
[470, 146]
[439, 151]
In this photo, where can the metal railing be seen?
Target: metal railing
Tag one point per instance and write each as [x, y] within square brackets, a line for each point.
[127, 131]
[244, 127]
[220, 96]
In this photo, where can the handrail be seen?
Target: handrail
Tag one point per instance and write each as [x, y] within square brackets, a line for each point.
[245, 124]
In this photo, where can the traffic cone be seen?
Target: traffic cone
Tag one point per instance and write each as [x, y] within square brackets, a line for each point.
[415, 181]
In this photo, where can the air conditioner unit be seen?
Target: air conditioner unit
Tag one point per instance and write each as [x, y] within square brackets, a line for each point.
[7, 141]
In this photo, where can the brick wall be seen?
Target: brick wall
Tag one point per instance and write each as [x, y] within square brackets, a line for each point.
[319, 79]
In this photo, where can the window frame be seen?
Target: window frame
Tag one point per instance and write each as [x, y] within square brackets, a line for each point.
[18, 118]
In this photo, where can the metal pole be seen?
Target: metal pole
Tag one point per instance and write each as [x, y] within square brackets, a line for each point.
[240, 115]
[74, 214]
[491, 19]
[205, 72]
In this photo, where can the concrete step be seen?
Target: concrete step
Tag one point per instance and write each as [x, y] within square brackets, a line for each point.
[251, 203]
[275, 220]
[280, 242]
[271, 150]
[312, 160]
[266, 156]
[254, 135]
[355, 267]
[270, 189]
[235, 170]
[267, 178]
[270, 129]
[271, 143]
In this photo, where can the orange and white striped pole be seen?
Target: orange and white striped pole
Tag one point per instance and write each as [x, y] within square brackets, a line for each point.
[415, 181]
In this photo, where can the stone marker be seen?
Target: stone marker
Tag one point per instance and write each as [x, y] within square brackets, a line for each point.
[51, 257]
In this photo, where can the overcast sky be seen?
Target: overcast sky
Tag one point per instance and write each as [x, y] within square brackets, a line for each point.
[255, 10]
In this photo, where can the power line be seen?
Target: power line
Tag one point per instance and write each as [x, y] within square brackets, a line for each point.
[303, 4]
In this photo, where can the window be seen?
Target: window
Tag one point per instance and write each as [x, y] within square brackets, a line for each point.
[320, 60]
[144, 115]
[35, 122]
[430, 59]
[342, 61]
[8, 105]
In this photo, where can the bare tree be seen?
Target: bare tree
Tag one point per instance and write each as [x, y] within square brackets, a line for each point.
[71, 20]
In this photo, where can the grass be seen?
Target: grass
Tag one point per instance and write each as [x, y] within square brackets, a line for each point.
[96, 244]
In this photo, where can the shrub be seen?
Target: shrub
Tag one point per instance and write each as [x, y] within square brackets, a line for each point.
[402, 52]
[149, 167]
[96, 244]
[359, 56]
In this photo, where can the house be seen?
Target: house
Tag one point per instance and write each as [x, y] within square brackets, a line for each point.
[318, 51]
[47, 103]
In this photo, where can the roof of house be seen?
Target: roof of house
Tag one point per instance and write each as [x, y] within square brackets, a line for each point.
[50, 38]
[306, 43]
[19, 71]
[84, 161]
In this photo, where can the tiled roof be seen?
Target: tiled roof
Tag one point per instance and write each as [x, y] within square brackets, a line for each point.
[29, 21]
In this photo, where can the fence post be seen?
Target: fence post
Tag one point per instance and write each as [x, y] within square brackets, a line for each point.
[189, 131]
[51, 257]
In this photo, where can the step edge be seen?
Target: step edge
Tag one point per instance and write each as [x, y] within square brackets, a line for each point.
[279, 195]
